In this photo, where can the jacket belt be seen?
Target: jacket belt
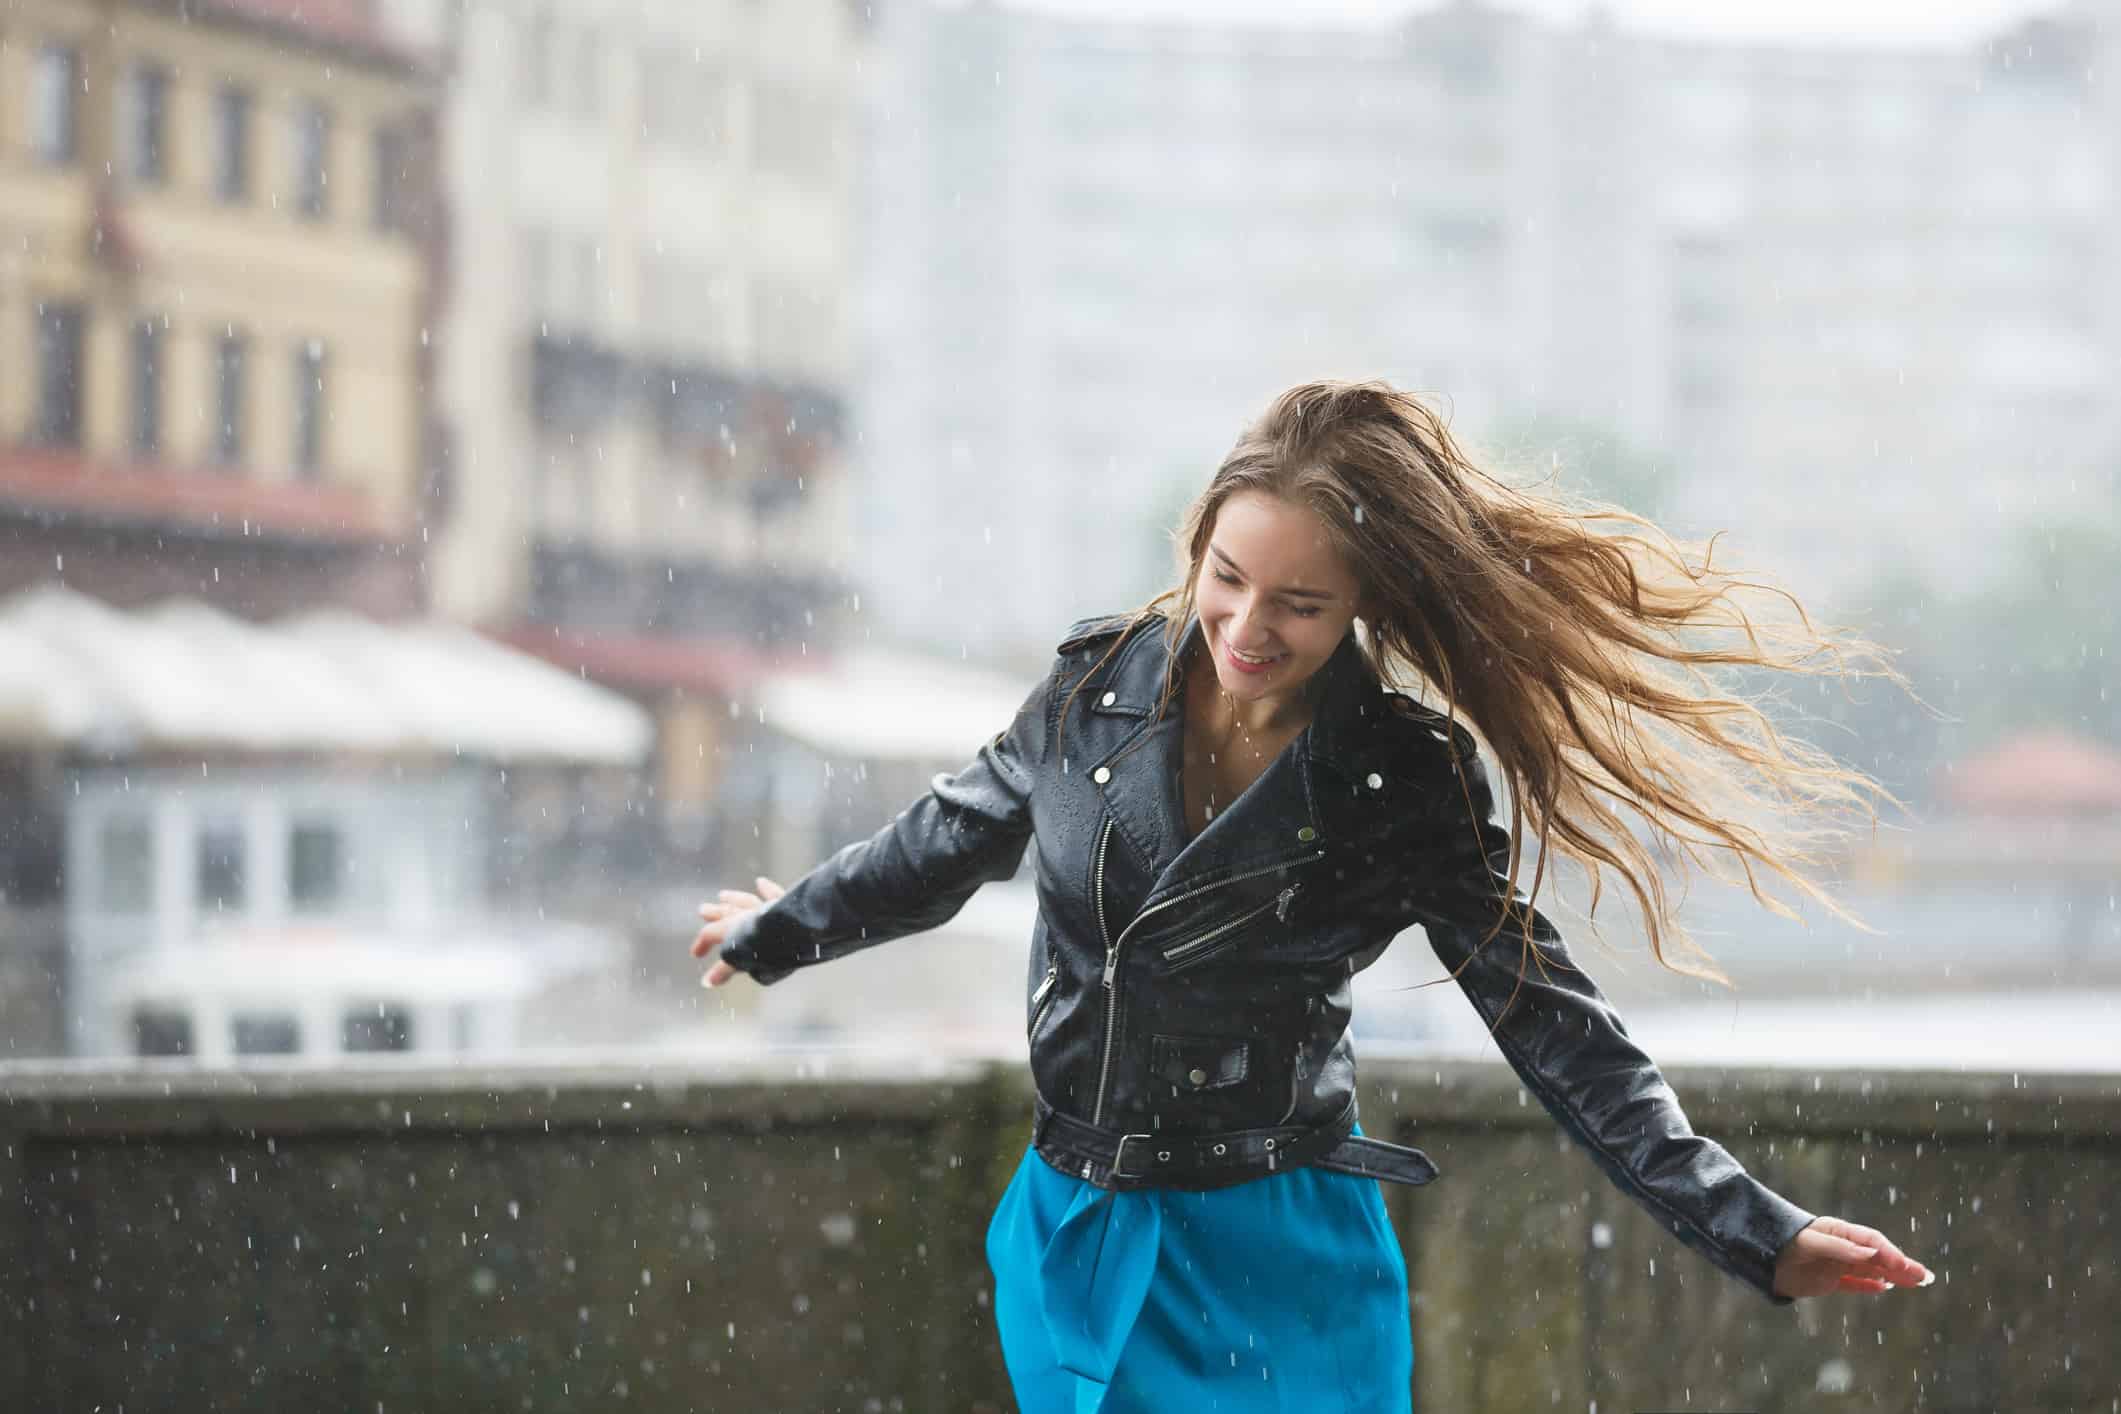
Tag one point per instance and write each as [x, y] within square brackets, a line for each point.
[1110, 1158]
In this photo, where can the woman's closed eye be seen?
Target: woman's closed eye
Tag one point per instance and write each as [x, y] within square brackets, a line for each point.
[1301, 611]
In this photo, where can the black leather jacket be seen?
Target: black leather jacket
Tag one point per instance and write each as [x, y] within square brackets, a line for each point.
[1188, 999]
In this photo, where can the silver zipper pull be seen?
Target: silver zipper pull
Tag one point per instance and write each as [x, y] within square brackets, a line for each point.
[1111, 964]
[1281, 904]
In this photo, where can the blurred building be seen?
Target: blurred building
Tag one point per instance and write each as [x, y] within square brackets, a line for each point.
[2102, 19]
[1862, 299]
[210, 306]
[1877, 275]
[1096, 249]
[642, 365]
[296, 837]
[213, 283]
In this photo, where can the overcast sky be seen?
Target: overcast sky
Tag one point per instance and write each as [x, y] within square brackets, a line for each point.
[1860, 22]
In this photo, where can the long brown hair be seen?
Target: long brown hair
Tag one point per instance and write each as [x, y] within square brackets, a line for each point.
[1575, 638]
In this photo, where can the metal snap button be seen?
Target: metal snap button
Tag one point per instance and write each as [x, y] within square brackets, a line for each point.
[1222, 1149]
[1197, 1076]
[1377, 782]
[1101, 774]
[1307, 834]
[1109, 698]
[1270, 1143]
[1163, 1156]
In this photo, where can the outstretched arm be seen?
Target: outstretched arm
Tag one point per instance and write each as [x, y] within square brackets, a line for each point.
[914, 874]
[1573, 1053]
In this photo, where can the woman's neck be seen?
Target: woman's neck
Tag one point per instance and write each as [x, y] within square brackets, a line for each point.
[1219, 717]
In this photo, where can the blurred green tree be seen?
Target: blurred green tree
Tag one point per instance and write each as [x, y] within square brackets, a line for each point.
[2037, 646]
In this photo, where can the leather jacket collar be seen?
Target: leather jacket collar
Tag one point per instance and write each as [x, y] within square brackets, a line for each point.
[1279, 821]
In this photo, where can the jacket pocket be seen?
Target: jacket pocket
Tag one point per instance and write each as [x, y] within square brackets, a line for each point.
[1199, 1062]
[1041, 999]
[1219, 939]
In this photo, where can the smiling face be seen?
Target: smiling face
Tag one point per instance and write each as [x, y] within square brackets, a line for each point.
[1271, 586]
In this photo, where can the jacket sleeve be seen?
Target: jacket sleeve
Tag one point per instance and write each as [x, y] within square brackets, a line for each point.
[971, 827]
[1571, 1050]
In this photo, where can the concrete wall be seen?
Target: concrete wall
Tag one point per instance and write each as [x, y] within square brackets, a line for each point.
[786, 1235]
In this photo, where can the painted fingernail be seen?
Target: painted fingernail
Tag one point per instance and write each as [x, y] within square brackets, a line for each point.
[1927, 1278]
[707, 979]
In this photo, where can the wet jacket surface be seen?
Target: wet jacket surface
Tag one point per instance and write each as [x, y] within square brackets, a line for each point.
[1187, 999]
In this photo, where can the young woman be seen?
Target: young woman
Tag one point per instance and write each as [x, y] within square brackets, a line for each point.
[1233, 814]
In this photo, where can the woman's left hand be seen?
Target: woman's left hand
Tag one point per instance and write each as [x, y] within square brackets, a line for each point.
[1833, 1255]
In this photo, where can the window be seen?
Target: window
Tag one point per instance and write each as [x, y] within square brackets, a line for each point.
[312, 158]
[537, 60]
[146, 101]
[55, 90]
[683, 100]
[393, 152]
[661, 97]
[562, 279]
[221, 865]
[537, 273]
[309, 409]
[232, 144]
[382, 1027]
[1700, 392]
[161, 1031]
[125, 866]
[147, 387]
[588, 88]
[559, 66]
[264, 1033]
[229, 358]
[316, 866]
[589, 291]
[59, 375]
[791, 129]
[792, 326]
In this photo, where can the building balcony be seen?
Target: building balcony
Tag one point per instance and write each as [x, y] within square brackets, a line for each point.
[656, 595]
[578, 381]
[53, 487]
[136, 532]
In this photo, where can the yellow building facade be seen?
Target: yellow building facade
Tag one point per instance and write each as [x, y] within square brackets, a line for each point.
[212, 307]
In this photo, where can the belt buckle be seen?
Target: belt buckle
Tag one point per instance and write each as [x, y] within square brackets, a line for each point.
[1119, 1154]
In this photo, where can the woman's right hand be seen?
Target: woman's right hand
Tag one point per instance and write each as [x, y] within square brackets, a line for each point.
[721, 916]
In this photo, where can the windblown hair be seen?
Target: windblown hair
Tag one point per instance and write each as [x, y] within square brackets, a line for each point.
[1575, 638]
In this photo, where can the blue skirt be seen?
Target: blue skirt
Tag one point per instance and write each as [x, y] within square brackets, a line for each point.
[1285, 1293]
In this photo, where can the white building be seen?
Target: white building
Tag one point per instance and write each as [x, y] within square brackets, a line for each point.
[301, 912]
[1097, 249]
[283, 838]
[640, 350]
[1861, 300]
[1878, 274]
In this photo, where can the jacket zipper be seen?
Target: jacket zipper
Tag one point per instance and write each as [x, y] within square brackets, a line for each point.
[1178, 953]
[1104, 934]
[1112, 949]
[1043, 995]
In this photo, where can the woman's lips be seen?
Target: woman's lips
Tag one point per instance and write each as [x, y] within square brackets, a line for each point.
[1242, 666]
